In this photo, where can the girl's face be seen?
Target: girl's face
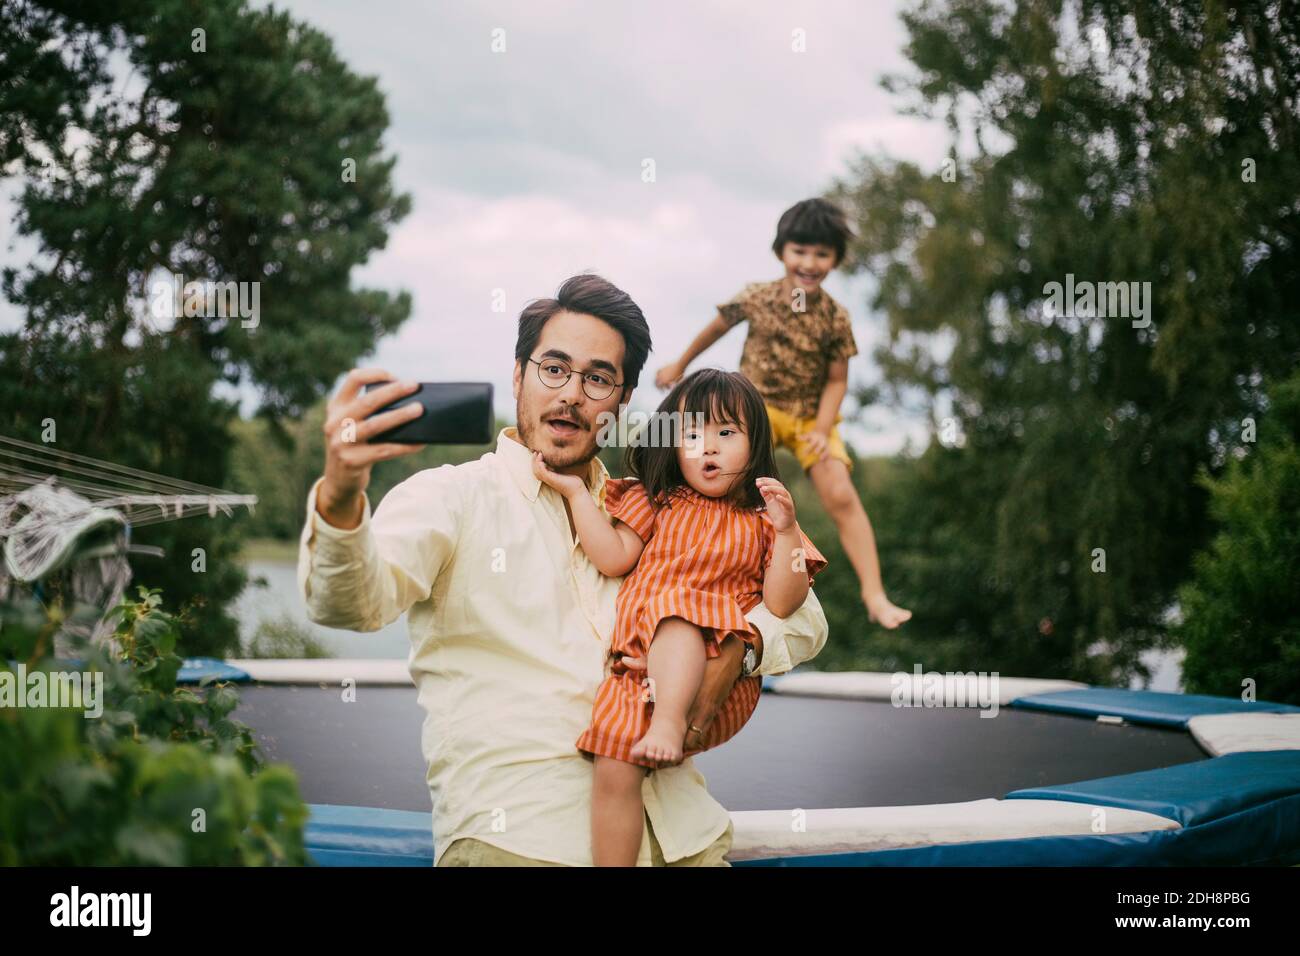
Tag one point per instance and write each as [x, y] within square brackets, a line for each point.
[713, 455]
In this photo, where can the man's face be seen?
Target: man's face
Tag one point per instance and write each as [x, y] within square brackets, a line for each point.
[562, 423]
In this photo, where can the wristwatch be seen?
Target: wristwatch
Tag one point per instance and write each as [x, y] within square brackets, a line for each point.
[749, 663]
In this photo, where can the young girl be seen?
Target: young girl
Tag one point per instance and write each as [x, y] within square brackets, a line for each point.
[708, 532]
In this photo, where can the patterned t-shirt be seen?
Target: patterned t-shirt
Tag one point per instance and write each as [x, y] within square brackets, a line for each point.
[787, 354]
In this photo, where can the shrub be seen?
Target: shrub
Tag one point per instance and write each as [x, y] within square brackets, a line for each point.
[163, 776]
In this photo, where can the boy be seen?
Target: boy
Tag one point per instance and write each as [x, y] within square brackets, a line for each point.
[797, 355]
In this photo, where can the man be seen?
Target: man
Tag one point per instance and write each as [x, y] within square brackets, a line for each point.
[510, 623]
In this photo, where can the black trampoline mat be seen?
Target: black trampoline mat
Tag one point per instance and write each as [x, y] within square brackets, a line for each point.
[795, 752]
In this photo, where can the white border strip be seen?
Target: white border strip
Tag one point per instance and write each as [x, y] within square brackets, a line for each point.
[764, 834]
[328, 670]
[1236, 733]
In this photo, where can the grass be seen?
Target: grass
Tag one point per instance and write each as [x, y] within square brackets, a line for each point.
[269, 549]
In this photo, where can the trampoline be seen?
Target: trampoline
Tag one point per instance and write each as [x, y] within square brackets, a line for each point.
[830, 773]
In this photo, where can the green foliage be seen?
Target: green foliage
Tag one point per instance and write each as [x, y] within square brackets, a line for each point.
[285, 637]
[1110, 144]
[279, 463]
[1241, 610]
[222, 165]
[163, 776]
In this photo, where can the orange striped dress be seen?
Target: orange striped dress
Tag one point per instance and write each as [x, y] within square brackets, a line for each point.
[704, 560]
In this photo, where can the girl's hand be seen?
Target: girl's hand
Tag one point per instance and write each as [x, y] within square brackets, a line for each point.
[567, 485]
[780, 506]
[667, 376]
[817, 442]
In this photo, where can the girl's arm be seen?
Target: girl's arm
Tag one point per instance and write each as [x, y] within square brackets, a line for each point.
[785, 586]
[613, 549]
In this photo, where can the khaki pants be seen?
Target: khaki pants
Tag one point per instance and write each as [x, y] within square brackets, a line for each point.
[470, 852]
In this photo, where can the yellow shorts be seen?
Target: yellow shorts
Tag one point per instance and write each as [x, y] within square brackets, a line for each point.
[787, 429]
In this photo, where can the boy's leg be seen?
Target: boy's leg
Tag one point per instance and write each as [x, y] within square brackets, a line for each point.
[616, 812]
[675, 666]
[840, 499]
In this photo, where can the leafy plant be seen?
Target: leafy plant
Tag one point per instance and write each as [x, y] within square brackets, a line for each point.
[162, 776]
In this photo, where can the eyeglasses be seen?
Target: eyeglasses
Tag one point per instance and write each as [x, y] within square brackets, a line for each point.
[556, 374]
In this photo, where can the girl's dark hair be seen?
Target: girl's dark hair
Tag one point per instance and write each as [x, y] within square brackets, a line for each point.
[590, 295]
[813, 222]
[719, 396]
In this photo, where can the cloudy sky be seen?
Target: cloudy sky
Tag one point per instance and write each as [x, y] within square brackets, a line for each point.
[525, 165]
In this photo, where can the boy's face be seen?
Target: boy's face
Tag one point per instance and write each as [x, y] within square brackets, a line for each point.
[806, 265]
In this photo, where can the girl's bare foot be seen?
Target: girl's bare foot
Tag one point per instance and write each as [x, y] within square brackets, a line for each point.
[662, 742]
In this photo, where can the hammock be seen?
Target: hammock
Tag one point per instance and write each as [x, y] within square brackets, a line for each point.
[62, 511]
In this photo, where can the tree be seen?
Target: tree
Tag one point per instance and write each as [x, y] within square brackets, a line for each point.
[1242, 608]
[234, 146]
[1144, 142]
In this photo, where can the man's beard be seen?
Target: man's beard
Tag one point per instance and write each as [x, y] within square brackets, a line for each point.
[530, 424]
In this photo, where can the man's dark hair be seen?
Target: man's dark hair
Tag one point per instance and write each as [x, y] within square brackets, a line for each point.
[719, 396]
[590, 295]
[813, 222]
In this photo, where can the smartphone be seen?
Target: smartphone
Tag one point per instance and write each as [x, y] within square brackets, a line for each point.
[455, 413]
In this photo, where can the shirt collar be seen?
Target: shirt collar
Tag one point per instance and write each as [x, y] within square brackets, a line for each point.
[519, 462]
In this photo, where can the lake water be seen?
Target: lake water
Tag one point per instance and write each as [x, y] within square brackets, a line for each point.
[281, 597]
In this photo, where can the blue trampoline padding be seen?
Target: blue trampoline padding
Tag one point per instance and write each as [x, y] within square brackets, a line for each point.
[1193, 793]
[1267, 835]
[1144, 706]
[1263, 835]
[368, 836]
[195, 670]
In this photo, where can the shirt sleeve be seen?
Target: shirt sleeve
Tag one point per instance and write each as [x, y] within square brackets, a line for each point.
[365, 578]
[841, 344]
[626, 500]
[813, 560]
[737, 310]
[789, 642]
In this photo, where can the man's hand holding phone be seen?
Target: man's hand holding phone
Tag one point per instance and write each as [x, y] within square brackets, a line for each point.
[349, 455]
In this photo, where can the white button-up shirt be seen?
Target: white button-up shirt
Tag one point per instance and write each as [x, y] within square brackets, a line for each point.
[510, 629]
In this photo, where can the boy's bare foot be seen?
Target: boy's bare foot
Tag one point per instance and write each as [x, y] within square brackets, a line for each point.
[884, 612]
[662, 742]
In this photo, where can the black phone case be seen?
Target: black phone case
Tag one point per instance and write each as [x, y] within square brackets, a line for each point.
[455, 413]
